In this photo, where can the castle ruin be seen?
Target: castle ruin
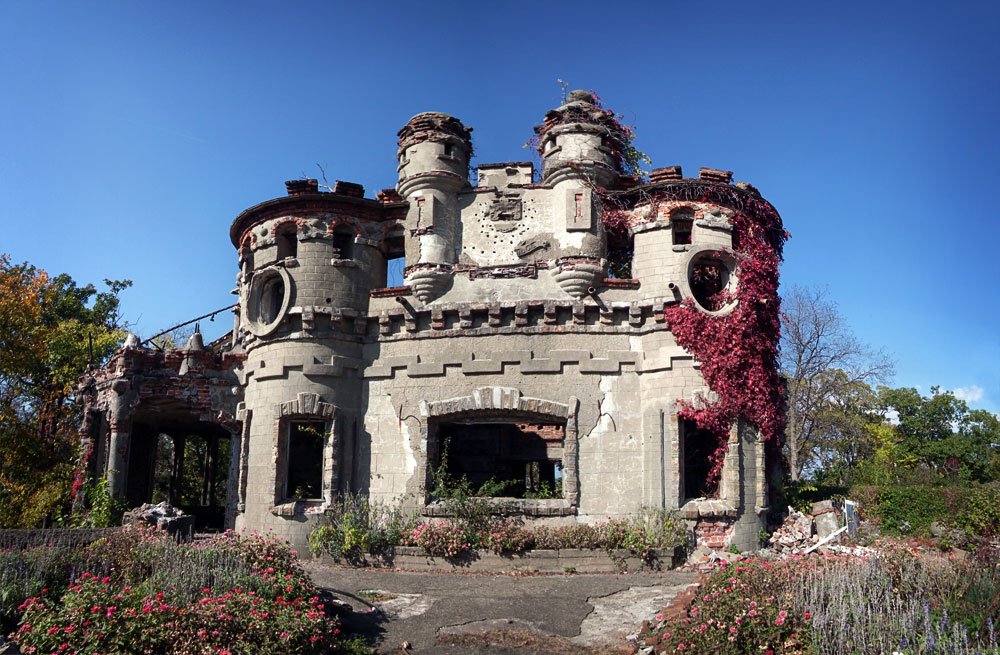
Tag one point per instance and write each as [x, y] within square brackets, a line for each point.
[596, 342]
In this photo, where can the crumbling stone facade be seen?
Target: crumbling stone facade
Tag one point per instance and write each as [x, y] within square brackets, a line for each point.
[507, 351]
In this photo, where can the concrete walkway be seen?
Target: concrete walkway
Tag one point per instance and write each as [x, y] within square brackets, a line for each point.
[494, 614]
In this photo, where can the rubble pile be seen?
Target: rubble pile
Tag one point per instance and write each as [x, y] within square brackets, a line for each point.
[794, 535]
[163, 516]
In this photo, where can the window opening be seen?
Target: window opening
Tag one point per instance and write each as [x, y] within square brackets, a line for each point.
[272, 295]
[698, 446]
[305, 460]
[517, 460]
[395, 258]
[709, 277]
[288, 244]
[343, 243]
[681, 225]
[621, 249]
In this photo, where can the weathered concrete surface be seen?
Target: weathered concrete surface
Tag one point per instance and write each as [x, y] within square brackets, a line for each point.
[440, 614]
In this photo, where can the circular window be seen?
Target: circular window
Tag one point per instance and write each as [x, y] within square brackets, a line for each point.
[711, 279]
[267, 303]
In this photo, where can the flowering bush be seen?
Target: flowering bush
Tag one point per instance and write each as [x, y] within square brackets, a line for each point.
[737, 611]
[439, 539]
[900, 601]
[99, 615]
[235, 593]
[507, 536]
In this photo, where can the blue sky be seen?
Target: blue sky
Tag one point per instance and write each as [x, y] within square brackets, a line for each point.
[132, 133]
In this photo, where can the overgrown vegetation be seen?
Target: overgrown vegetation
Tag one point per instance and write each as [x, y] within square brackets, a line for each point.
[898, 602]
[357, 528]
[51, 331]
[138, 591]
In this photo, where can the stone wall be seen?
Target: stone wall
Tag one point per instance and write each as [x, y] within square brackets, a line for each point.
[506, 314]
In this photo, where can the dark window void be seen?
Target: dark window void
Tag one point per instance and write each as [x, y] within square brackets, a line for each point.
[305, 459]
[185, 466]
[698, 447]
[620, 251]
[343, 243]
[288, 244]
[504, 459]
[395, 259]
[272, 295]
[709, 276]
[681, 225]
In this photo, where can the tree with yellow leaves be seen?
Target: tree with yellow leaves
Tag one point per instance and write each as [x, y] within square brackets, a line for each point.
[51, 332]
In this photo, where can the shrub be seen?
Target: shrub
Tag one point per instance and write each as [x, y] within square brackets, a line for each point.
[507, 536]
[581, 535]
[138, 591]
[439, 539]
[99, 615]
[738, 610]
[980, 513]
[896, 602]
[910, 510]
[357, 527]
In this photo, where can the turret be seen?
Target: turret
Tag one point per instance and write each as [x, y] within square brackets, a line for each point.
[581, 145]
[581, 141]
[434, 151]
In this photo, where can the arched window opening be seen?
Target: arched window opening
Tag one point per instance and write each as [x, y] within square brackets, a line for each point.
[681, 225]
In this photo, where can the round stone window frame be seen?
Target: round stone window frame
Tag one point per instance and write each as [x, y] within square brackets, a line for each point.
[728, 259]
[251, 304]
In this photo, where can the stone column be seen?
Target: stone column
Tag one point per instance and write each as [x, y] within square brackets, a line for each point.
[120, 418]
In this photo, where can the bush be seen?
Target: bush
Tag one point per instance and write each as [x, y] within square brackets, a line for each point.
[507, 536]
[439, 539]
[357, 527]
[139, 591]
[895, 602]
[99, 615]
[738, 610]
[980, 513]
[910, 510]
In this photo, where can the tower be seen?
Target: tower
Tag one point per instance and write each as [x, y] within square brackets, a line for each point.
[433, 153]
[307, 265]
[580, 145]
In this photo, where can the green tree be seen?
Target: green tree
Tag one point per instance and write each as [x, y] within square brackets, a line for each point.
[845, 427]
[943, 435]
[51, 331]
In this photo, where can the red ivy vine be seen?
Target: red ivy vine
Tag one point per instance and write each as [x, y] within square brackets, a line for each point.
[738, 351]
